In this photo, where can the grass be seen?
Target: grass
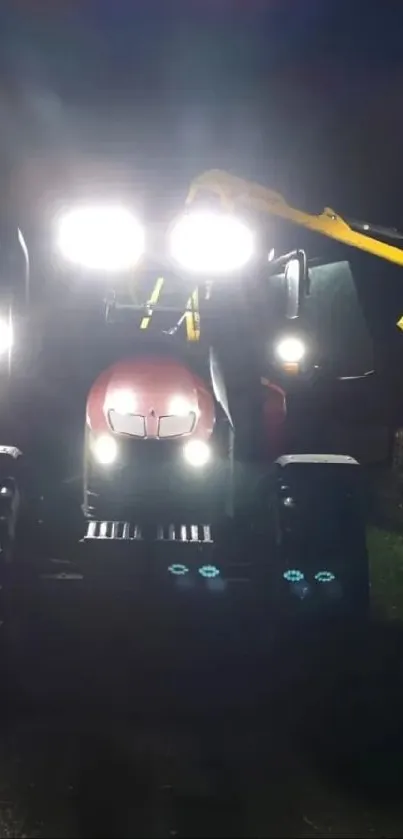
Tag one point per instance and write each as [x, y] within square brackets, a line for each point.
[386, 561]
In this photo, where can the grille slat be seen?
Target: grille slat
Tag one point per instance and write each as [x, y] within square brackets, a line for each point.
[176, 426]
[132, 424]
[125, 531]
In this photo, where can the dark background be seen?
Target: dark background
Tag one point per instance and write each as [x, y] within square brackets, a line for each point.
[303, 96]
[135, 98]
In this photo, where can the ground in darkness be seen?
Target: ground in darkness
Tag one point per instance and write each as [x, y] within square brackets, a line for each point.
[130, 716]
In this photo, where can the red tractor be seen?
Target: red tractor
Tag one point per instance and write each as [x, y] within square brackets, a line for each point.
[204, 347]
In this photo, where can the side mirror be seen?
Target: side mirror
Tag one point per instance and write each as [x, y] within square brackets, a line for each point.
[296, 284]
[294, 266]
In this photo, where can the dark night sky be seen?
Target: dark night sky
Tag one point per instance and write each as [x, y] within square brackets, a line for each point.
[140, 96]
[305, 96]
[302, 95]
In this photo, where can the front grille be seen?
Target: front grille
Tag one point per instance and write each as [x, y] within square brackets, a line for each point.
[134, 425]
[174, 426]
[131, 424]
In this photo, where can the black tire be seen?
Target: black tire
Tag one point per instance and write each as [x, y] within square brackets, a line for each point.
[291, 580]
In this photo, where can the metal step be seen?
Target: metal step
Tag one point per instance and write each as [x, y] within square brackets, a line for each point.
[129, 532]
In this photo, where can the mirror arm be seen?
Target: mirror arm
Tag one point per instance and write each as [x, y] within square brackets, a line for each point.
[282, 260]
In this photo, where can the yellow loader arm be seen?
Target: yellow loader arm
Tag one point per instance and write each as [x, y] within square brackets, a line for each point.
[234, 191]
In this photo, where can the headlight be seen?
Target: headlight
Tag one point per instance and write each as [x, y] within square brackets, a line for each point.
[105, 449]
[179, 406]
[101, 238]
[211, 243]
[6, 335]
[290, 350]
[197, 453]
[123, 402]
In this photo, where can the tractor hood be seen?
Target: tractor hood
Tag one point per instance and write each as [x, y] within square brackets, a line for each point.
[151, 398]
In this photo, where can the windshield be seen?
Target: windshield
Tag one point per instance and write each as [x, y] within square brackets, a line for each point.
[333, 315]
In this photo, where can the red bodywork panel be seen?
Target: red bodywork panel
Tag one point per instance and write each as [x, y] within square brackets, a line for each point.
[154, 384]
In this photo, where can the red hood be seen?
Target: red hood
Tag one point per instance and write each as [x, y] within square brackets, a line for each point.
[153, 388]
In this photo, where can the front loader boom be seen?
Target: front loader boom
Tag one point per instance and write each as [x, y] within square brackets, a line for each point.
[234, 191]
